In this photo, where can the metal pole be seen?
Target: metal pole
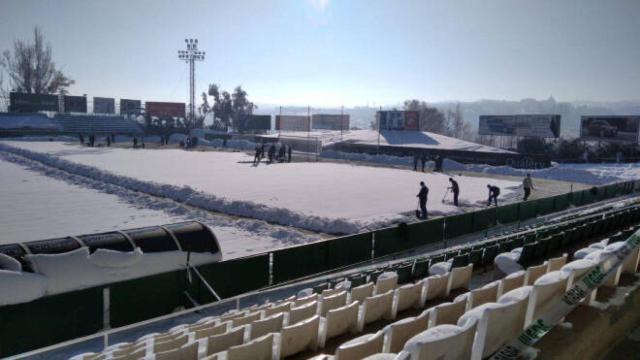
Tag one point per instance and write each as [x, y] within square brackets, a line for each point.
[341, 121]
[190, 56]
[378, 121]
[308, 130]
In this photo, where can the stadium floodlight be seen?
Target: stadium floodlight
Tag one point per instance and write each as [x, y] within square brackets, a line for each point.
[190, 56]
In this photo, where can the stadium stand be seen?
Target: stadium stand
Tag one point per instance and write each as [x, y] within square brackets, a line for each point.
[27, 123]
[472, 326]
[96, 124]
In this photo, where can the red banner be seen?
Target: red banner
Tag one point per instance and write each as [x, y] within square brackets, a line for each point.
[165, 109]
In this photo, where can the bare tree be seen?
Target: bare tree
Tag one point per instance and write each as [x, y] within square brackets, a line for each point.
[31, 69]
[431, 119]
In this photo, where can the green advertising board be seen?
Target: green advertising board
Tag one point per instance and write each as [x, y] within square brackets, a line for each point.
[23, 102]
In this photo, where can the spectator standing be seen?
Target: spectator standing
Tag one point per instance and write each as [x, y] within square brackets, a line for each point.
[415, 162]
[423, 160]
[289, 153]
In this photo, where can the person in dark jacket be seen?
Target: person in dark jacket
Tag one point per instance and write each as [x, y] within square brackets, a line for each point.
[455, 189]
[415, 162]
[494, 191]
[256, 157]
[289, 153]
[422, 198]
[281, 152]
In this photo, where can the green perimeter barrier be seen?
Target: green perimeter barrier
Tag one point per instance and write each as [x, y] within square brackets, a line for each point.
[49, 320]
[426, 232]
[234, 277]
[458, 225]
[138, 299]
[299, 261]
[507, 213]
[561, 202]
[349, 250]
[391, 240]
[484, 219]
[528, 210]
[546, 206]
[576, 198]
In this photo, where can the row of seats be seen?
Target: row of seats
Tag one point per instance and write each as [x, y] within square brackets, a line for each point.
[96, 124]
[301, 323]
[492, 314]
[305, 322]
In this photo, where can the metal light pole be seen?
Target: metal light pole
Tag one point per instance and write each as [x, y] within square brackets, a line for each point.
[190, 56]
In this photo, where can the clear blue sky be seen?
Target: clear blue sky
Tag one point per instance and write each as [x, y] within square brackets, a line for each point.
[351, 52]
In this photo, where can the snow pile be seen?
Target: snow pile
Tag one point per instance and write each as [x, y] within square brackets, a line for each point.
[9, 263]
[18, 287]
[551, 277]
[305, 195]
[516, 295]
[374, 159]
[440, 268]
[507, 262]
[593, 174]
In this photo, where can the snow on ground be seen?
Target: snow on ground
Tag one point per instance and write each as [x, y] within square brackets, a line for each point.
[328, 197]
[592, 174]
[48, 203]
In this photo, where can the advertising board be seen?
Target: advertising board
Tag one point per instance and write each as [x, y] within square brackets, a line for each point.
[293, 123]
[77, 104]
[254, 123]
[398, 120]
[611, 128]
[529, 125]
[23, 102]
[128, 106]
[165, 109]
[104, 105]
[330, 121]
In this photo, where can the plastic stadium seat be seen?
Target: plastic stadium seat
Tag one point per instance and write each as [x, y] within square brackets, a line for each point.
[275, 309]
[486, 294]
[170, 344]
[475, 256]
[444, 342]
[512, 281]
[497, 324]
[189, 351]
[447, 313]
[306, 300]
[546, 289]
[540, 251]
[357, 280]
[397, 333]
[527, 255]
[320, 287]
[361, 292]
[332, 302]
[385, 282]
[340, 321]
[460, 261]
[460, 277]
[407, 296]
[436, 287]
[490, 253]
[217, 343]
[575, 270]
[360, 347]
[437, 259]
[557, 263]
[303, 312]
[420, 269]
[534, 272]
[258, 349]
[375, 308]
[404, 272]
[273, 323]
[214, 329]
[299, 337]
[247, 319]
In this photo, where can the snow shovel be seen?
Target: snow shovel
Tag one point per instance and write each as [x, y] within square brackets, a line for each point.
[445, 195]
[418, 211]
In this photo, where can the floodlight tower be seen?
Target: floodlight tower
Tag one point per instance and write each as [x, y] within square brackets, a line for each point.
[190, 56]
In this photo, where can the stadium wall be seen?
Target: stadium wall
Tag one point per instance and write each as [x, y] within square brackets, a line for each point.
[57, 318]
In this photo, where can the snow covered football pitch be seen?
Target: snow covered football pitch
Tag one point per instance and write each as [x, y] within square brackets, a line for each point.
[323, 197]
